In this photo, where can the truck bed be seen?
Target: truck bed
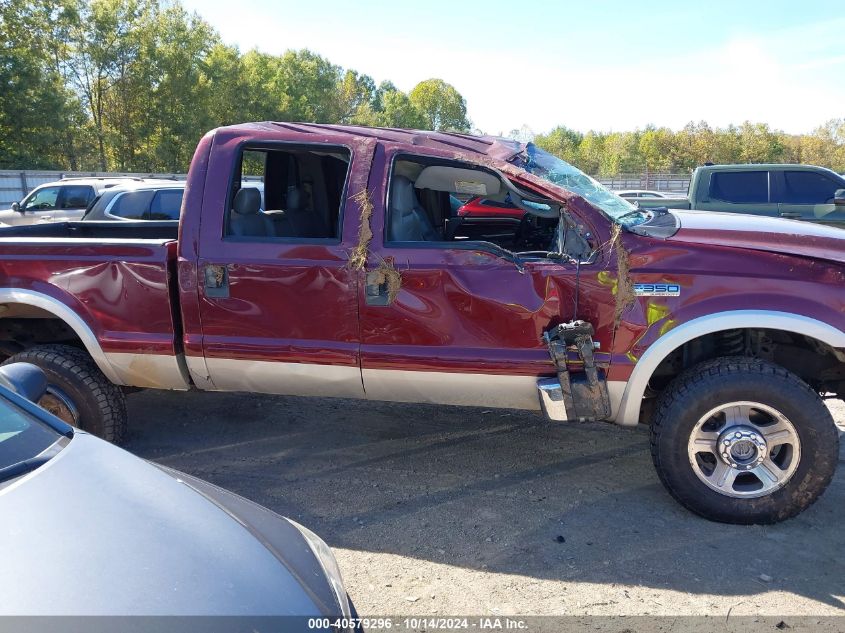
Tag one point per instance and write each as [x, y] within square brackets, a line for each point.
[114, 283]
[104, 230]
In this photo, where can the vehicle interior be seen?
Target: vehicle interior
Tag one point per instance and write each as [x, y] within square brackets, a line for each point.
[453, 202]
[302, 194]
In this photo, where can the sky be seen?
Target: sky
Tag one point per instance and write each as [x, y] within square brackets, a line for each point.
[601, 65]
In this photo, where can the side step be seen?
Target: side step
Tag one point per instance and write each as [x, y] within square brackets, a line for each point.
[574, 396]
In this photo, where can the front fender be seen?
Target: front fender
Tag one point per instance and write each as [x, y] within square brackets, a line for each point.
[628, 413]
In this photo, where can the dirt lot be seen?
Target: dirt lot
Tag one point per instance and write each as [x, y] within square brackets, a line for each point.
[436, 510]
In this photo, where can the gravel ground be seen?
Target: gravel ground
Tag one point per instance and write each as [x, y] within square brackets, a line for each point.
[438, 510]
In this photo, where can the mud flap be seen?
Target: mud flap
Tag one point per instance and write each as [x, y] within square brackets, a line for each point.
[574, 396]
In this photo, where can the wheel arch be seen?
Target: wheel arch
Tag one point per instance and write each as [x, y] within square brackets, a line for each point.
[630, 406]
[62, 312]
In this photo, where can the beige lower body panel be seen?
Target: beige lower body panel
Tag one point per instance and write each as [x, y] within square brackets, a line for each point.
[152, 371]
[472, 390]
[292, 379]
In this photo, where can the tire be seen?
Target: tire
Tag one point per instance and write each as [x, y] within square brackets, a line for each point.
[77, 391]
[790, 430]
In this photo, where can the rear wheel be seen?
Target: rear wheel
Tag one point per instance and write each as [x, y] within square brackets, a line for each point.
[77, 391]
[741, 440]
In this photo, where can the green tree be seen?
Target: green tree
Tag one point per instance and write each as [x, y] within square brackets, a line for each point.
[38, 113]
[442, 107]
[562, 142]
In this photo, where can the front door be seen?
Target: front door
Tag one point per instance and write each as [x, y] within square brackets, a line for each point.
[808, 195]
[278, 300]
[447, 319]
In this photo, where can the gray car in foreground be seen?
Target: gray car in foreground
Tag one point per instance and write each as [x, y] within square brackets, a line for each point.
[89, 529]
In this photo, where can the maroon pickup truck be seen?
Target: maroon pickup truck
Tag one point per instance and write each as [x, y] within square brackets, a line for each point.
[352, 275]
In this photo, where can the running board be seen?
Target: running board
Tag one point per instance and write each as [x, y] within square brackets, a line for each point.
[573, 396]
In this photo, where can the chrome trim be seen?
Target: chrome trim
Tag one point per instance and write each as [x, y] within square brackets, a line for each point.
[551, 400]
[154, 371]
[294, 379]
[629, 409]
[71, 318]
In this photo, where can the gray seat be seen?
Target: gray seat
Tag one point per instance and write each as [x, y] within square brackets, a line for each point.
[409, 222]
[246, 219]
[304, 222]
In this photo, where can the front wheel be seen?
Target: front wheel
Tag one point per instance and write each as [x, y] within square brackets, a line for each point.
[741, 440]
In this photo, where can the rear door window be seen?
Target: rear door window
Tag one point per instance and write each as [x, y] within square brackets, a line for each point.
[740, 187]
[807, 187]
[166, 204]
[134, 205]
[75, 196]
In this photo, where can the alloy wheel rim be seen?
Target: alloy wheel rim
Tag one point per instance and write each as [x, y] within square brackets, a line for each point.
[744, 449]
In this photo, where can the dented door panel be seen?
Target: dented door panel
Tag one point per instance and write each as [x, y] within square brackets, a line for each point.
[468, 312]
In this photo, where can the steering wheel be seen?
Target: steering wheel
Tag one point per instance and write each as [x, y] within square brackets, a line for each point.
[523, 231]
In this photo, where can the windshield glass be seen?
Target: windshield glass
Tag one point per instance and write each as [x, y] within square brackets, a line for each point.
[22, 436]
[549, 167]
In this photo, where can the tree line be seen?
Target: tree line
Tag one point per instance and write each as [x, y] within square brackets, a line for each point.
[131, 85]
[665, 151]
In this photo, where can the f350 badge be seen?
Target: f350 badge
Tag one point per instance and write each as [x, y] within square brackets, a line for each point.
[657, 290]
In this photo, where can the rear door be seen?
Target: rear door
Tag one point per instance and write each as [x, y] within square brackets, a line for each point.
[808, 195]
[278, 300]
[73, 199]
[739, 191]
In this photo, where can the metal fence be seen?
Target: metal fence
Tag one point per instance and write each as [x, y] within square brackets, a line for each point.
[671, 183]
[14, 184]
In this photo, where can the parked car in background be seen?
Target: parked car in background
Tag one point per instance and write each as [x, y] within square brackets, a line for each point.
[797, 192]
[148, 201]
[151, 201]
[94, 530]
[60, 201]
[638, 194]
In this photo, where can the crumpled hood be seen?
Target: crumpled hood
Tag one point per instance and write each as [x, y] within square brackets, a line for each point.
[774, 235]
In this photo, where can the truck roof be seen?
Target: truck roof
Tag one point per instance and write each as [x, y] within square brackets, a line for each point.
[492, 146]
[763, 166]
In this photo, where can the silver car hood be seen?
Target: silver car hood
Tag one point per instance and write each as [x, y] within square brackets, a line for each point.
[98, 531]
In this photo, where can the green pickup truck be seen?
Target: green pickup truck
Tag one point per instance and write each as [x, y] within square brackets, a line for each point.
[798, 192]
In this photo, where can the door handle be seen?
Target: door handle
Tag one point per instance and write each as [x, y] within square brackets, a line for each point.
[793, 215]
[376, 289]
[216, 277]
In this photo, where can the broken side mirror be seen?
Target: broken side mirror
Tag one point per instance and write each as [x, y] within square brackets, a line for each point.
[839, 197]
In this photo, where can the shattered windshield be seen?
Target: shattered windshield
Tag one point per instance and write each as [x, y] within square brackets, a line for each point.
[549, 167]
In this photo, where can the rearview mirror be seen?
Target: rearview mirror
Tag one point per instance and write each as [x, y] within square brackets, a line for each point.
[839, 197]
[16, 206]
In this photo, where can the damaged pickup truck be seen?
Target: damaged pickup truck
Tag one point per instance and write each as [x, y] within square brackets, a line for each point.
[353, 276]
